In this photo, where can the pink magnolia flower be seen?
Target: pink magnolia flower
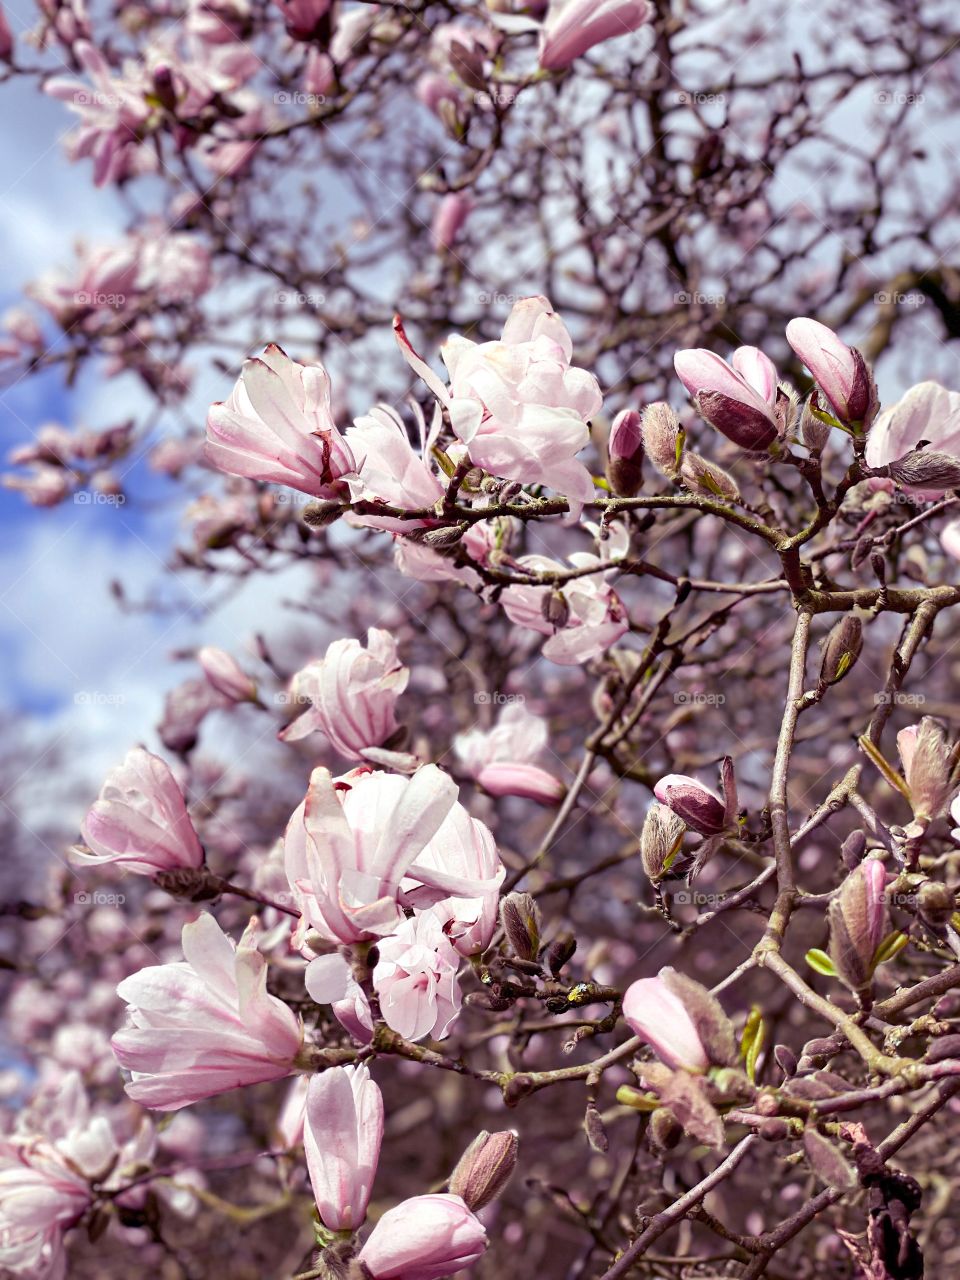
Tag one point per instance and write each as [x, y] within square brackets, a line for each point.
[140, 820]
[501, 759]
[699, 807]
[389, 469]
[416, 979]
[839, 371]
[329, 980]
[114, 116]
[342, 1132]
[518, 404]
[738, 401]
[572, 27]
[659, 1017]
[351, 843]
[926, 412]
[468, 851]
[226, 675]
[448, 220]
[277, 425]
[204, 1025]
[434, 88]
[42, 486]
[590, 616]
[625, 454]
[40, 1197]
[102, 281]
[424, 1238]
[354, 694]
[303, 18]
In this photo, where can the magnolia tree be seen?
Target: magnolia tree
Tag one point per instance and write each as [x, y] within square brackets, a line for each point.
[580, 897]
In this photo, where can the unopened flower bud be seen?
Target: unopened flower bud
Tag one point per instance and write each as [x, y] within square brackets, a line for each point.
[858, 923]
[699, 807]
[926, 469]
[853, 849]
[926, 755]
[445, 537]
[521, 920]
[661, 437]
[708, 479]
[485, 1168]
[555, 609]
[813, 430]
[164, 89]
[724, 398]
[664, 1130]
[226, 675]
[625, 454]
[841, 649]
[319, 514]
[659, 839]
[840, 371]
[774, 1130]
[559, 952]
[936, 903]
[452, 118]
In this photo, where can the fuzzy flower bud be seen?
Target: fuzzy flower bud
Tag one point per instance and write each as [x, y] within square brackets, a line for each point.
[926, 469]
[485, 1168]
[661, 834]
[520, 917]
[841, 649]
[708, 479]
[858, 923]
[926, 756]
[661, 437]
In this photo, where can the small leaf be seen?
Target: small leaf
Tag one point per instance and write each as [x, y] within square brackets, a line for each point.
[627, 1096]
[827, 1161]
[891, 946]
[885, 767]
[820, 962]
[752, 1041]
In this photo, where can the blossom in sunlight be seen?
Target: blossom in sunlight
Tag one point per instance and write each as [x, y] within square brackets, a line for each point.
[342, 1132]
[277, 425]
[205, 1024]
[659, 1017]
[352, 843]
[140, 820]
[571, 27]
[424, 1238]
[353, 693]
[927, 412]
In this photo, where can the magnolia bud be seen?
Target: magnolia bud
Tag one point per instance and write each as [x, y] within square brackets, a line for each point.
[813, 430]
[699, 807]
[841, 649]
[713, 1027]
[164, 89]
[559, 952]
[708, 479]
[485, 1168]
[926, 755]
[555, 609]
[443, 538]
[664, 1130]
[853, 849]
[593, 1127]
[319, 514]
[662, 437]
[520, 917]
[926, 469]
[936, 903]
[840, 371]
[661, 835]
[625, 454]
[858, 923]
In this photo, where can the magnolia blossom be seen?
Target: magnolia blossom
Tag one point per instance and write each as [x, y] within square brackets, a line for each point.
[572, 27]
[389, 469]
[448, 219]
[277, 425]
[840, 371]
[204, 1025]
[584, 617]
[927, 412]
[660, 1018]
[40, 1196]
[140, 820]
[342, 1132]
[501, 759]
[329, 980]
[351, 843]
[226, 675]
[699, 807]
[353, 692]
[416, 979]
[424, 1238]
[739, 401]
